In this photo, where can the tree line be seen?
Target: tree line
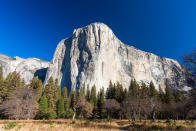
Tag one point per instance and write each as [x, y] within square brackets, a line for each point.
[19, 100]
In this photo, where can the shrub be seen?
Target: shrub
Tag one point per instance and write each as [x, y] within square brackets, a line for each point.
[87, 123]
[155, 127]
[10, 125]
[179, 127]
[109, 119]
[51, 115]
[68, 114]
[168, 122]
[73, 122]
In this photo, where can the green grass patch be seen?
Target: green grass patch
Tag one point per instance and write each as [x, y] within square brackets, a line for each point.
[10, 125]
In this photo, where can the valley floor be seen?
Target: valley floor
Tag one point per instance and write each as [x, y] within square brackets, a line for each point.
[86, 125]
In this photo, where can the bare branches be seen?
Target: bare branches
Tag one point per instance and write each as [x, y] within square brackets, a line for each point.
[189, 61]
[21, 104]
[84, 108]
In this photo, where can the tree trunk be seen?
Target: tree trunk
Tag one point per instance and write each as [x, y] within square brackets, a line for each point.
[74, 116]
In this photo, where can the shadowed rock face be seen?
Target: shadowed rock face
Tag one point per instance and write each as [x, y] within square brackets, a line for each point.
[94, 55]
[28, 68]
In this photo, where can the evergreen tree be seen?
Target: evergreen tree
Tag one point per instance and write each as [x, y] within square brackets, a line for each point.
[60, 107]
[82, 91]
[125, 94]
[110, 93]
[144, 90]
[152, 91]
[37, 85]
[93, 96]
[178, 95]
[119, 93]
[43, 106]
[65, 98]
[72, 99]
[1, 75]
[50, 94]
[2, 90]
[23, 83]
[133, 88]
[57, 91]
[11, 83]
[88, 93]
[169, 98]
[161, 94]
[100, 102]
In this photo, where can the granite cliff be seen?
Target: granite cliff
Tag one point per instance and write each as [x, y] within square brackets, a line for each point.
[28, 68]
[94, 55]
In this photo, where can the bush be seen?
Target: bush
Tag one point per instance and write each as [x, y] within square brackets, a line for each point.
[179, 128]
[73, 122]
[9, 126]
[68, 114]
[168, 122]
[109, 119]
[41, 115]
[51, 115]
[87, 123]
[155, 127]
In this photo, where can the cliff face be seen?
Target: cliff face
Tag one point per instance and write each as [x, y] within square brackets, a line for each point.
[94, 55]
[28, 68]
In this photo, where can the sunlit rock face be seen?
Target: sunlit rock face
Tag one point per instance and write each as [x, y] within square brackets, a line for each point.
[94, 55]
[28, 68]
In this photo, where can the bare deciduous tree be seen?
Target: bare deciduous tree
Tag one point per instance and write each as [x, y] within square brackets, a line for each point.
[83, 107]
[111, 106]
[21, 104]
[189, 61]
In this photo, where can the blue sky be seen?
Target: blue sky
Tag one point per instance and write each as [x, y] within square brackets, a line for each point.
[33, 28]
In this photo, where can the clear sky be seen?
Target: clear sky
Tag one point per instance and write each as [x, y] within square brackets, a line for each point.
[33, 28]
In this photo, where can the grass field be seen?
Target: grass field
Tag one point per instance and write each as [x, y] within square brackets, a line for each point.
[86, 125]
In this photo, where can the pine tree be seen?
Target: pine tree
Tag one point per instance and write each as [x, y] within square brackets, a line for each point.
[23, 83]
[60, 107]
[119, 93]
[11, 83]
[43, 106]
[65, 98]
[50, 94]
[1, 85]
[161, 94]
[110, 93]
[93, 96]
[178, 95]
[100, 102]
[88, 93]
[169, 98]
[82, 91]
[134, 88]
[72, 99]
[125, 94]
[57, 91]
[145, 90]
[1, 75]
[37, 85]
[152, 91]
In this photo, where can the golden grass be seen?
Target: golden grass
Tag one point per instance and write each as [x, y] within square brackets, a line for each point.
[59, 125]
[85, 125]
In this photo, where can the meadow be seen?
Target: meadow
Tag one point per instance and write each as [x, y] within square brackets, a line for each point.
[95, 125]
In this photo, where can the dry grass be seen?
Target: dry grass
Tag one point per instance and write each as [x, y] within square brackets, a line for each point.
[58, 125]
[85, 125]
